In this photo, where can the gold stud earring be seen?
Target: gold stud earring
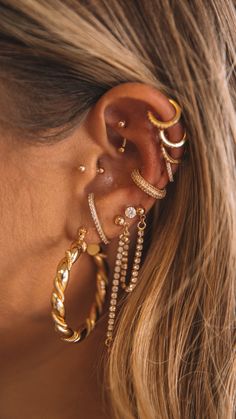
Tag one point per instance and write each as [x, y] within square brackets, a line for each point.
[81, 168]
[100, 170]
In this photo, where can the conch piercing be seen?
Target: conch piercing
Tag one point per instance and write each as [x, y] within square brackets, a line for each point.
[95, 218]
[166, 124]
[77, 248]
[146, 186]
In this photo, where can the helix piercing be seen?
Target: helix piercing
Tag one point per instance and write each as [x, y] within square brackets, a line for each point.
[166, 124]
[169, 143]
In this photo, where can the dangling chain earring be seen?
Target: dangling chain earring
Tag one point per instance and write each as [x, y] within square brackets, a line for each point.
[121, 264]
[61, 280]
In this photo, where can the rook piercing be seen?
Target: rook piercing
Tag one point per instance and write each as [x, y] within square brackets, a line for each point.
[100, 170]
[96, 219]
[122, 148]
[166, 124]
[146, 186]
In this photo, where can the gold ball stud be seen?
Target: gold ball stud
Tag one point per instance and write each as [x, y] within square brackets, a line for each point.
[81, 168]
[140, 211]
[100, 170]
[119, 220]
[122, 124]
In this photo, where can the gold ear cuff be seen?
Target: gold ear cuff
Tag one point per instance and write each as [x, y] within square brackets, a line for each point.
[146, 186]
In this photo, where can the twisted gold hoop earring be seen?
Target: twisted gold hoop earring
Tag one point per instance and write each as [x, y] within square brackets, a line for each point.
[146, 186]
[61, 280]
[166, 124]
[169, 143]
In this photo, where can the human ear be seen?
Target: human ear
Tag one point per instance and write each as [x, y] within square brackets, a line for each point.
[114, 190]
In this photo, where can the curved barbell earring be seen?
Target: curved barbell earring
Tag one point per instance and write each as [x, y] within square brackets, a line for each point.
[169, 143]
[77, 248]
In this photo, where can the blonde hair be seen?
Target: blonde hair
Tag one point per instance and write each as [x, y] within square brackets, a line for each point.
[173, 352]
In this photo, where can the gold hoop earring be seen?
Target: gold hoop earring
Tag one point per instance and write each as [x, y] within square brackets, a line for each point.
[169, 143]
[95, 218]
[146, 186]
[166, 124]
[61, 280]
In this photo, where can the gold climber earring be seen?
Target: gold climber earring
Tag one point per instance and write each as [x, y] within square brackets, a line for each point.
[96, 220]
[77, 248]
[146, 187]
[122, 124]
[121, 263]
[166, 124]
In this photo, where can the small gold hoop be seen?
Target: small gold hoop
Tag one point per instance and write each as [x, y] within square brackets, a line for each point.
[167, 156]
[166, 124]
[61, 280]
[146, 186]
[169, 143]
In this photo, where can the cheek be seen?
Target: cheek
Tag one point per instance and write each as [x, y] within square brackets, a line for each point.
[34, 208]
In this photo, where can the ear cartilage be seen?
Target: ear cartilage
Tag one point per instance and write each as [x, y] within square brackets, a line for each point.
[95, 218]
[146, 187]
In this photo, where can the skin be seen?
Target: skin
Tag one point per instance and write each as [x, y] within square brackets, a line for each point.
[43, 202]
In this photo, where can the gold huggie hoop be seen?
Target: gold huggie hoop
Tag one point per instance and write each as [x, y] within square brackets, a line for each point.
[167, 156]
[61, 280]
[166, 124]
[170, 143]
[95, 218]
[146, 186]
